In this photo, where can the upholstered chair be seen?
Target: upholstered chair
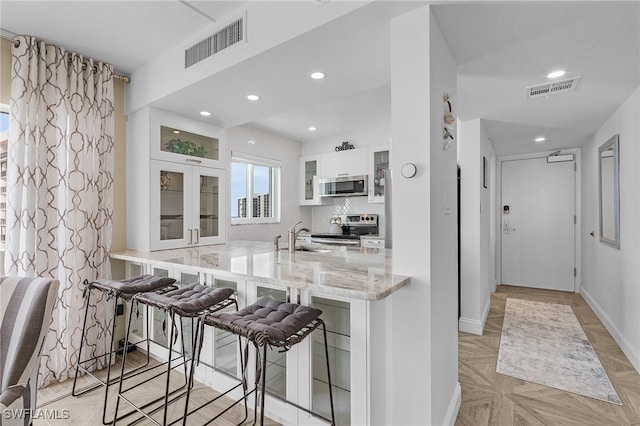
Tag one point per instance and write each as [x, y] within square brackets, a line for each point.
[26, 304]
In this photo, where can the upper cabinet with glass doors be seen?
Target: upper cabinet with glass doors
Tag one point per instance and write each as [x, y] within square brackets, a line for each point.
[308, 185]
[186, 142]
[176, 169]
[378, 165]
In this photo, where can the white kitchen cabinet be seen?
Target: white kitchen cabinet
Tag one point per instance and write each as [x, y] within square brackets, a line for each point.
[309, 194]
[187, 205]
[371, 242]
[378, 162]
[180, 140]
[163, 219]
[352, 162]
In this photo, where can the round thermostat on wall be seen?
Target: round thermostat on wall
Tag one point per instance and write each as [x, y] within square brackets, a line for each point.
[408, 170]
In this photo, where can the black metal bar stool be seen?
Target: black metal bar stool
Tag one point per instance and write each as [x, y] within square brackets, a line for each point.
[268, 322]
[114, 290]
[187, 302]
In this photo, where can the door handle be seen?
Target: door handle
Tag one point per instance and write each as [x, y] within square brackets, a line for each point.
[190, 236]
[507, 229]
[197, 235]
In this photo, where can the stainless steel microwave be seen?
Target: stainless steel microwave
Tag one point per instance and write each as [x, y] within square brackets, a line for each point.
[346, 186]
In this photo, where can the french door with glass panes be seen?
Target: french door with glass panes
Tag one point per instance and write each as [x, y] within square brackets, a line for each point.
[188, 205]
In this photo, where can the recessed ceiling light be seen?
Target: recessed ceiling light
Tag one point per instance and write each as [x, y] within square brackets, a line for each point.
[176, 132]
[540, 139]
[312, 129]
[317, 75]
[253, 97]
[555, 74]
[205, 113]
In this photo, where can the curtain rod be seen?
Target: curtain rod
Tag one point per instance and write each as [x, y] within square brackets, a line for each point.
[124, 78]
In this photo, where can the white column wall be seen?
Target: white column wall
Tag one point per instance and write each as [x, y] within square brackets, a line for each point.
[477, 236]
[610, 277]
[421, 386]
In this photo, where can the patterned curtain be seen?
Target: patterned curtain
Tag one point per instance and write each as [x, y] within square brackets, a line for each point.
[60, 189]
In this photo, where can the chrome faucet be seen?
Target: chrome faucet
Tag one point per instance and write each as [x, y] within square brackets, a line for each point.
[293, 234]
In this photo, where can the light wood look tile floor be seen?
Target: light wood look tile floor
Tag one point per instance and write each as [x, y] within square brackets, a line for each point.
[489, 398]
[87, 409]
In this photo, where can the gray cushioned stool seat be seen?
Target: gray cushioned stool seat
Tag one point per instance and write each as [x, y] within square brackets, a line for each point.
[190, 301]
[267, 321]
[114, 289]
[126, 289]
[186, 301]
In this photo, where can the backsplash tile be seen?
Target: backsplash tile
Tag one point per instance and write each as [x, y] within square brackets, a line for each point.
[346, 205]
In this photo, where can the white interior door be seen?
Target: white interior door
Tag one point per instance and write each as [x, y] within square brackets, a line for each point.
[538, 224]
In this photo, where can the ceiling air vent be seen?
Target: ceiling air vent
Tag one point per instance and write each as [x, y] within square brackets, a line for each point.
[227, 36]
[555, 88]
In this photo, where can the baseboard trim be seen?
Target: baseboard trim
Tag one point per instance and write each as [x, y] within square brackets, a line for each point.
[454, 406]
[474, 326]
[633, 354]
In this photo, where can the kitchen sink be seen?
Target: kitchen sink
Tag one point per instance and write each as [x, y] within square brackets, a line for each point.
[313, 249]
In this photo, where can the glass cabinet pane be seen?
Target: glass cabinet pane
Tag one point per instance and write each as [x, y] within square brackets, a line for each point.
[178, 141]
[138, 319]
[310, 172]
[160, 327]
[225, 343]
[209, 206]
[380, 163]
[135, 270]
[276, 360]
[188, 323]
[336, 316]
[172, 205]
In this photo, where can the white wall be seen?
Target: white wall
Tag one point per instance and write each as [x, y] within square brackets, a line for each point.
[611, 278]
[363, 139]
[477, 236]
[422, 385]
[269, 145]
[138, 170]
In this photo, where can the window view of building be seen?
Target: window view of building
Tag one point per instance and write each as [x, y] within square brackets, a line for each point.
[254, 191]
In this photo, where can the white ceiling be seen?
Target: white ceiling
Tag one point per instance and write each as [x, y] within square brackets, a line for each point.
[500, 48]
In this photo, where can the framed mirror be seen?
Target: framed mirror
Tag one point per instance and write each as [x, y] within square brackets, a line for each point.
[609, 192]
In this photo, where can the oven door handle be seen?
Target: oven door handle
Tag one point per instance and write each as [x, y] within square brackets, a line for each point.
[335, 241]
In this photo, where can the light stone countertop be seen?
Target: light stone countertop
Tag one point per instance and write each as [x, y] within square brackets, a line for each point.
[357, 273]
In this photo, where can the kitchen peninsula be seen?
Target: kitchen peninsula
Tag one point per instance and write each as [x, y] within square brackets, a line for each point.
[357, 273]
[348, 284]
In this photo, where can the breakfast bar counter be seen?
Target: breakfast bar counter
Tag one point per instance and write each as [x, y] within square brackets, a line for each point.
[358, 273]
[353, 287]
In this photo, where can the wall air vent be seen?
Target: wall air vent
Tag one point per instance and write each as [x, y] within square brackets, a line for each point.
[227, 36]
[555, 88]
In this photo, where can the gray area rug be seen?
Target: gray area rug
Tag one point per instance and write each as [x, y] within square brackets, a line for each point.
[544, 343]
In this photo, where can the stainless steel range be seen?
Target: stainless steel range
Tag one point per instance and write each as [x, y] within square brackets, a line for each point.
[352, 226]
